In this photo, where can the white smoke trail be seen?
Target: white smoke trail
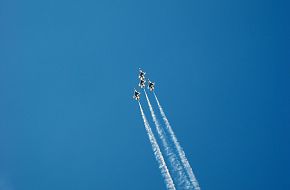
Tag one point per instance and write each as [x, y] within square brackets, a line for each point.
[158, 155]
[179, 148]
[177, 167]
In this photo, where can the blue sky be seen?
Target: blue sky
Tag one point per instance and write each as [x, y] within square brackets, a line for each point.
[68, 68]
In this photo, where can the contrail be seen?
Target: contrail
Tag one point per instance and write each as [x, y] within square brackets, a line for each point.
[175, 163]
[181, 153]
[158, 155]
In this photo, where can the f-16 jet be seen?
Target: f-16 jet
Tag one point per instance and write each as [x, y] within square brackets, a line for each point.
[136, 95]
[142, 83]
[141, 74]
[151, 85]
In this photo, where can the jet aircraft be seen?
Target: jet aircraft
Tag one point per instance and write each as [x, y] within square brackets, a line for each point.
[141, 74]
[136, 95]
[142, 83]
[151, 85]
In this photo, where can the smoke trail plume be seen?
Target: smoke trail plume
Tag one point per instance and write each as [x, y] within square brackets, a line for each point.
[175, 163]
[180, 151]
[158, 155]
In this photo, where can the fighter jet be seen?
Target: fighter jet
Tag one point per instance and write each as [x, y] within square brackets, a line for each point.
[136, 95]
[142, 83]
[151, 85]
[141, 74]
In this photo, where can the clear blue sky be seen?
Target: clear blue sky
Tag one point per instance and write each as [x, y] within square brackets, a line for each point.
[68, 68]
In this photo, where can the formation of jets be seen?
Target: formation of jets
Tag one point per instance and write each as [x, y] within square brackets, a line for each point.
[142, 84]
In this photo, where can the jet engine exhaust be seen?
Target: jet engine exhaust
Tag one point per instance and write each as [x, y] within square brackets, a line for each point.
[158, 155]
[179, 149]
[180, 176]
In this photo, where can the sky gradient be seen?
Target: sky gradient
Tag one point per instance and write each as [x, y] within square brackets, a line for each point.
[67, 73]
